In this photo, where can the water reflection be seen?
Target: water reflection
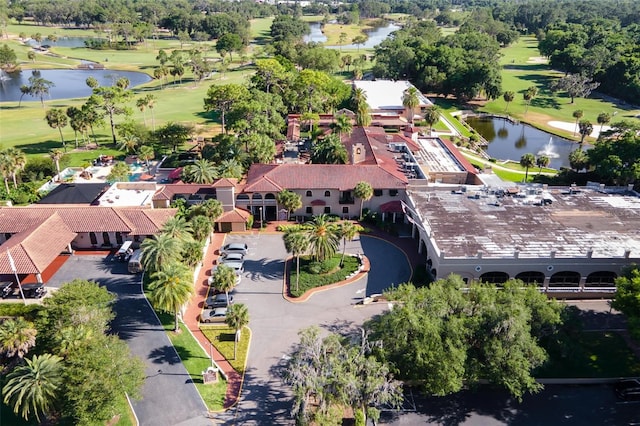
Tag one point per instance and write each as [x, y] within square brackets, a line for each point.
[62, 42]
[509, 141]
[376, 36]
[68, 83]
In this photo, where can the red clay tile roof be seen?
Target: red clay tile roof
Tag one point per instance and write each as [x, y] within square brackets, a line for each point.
[34, 248]
[137, 221]
[167, 192]
[461, 158]
[225, 183]
[236, 215]
[274, 178]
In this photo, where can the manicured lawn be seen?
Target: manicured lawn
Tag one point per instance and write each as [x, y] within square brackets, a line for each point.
[223, 337]
[592, 355]
[195, 360]
[261, 29]
[317, 274]
[447, 106]
[523, 68]
[333, 31]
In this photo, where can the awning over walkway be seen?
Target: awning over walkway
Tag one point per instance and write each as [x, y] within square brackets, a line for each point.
[391, 207]
[318, 203]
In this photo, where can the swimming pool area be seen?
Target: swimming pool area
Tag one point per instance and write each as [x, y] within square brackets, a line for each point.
[96, 174]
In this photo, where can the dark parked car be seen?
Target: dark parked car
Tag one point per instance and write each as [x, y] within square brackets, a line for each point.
[34, 291]
[218, 301]
[628, 389]
[213, 315]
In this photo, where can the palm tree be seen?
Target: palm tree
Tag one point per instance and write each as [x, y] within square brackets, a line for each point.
[24, 90]
[57, 119]
[528, 95]
[141, 103]
[364, 191]
[159, 250]
[342, 125]
[17, 337]
[151, 103]
[431, 116]
[542, 161]
[171, 287]
[289, 200]
[585, 128]
[323, 238]
[201, 227]
[297, 244]
[348, 231]
[230, 169]
[224, 279]
[329, 150]
[192, 252]
[578, 159]
[237, 318]
[6, 167]
[410, 101]
[178, 228]
[577, 114]
[526, 161]
[146, 153]
[603, 118]
[33, 387]
[129, 143]
[56, 155]
[508, 97]
[359, 99]
[39, 87]
[201, 171]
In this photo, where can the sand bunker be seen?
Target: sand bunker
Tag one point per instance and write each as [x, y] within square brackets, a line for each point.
[537, 60]
[571, 127]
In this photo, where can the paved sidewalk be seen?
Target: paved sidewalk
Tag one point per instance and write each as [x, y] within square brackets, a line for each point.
[190, 318]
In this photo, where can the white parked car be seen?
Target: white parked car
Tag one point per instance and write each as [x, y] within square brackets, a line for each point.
[213, 315]
[241, 248]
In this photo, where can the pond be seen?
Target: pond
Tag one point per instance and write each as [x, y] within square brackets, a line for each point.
[62, 42]
[510, 141]
[376, 36]
[68, 83]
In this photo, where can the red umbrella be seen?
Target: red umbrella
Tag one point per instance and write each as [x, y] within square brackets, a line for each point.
[175, 173]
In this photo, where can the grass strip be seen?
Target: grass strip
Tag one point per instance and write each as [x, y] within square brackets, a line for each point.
[318, 274]
[223, 340]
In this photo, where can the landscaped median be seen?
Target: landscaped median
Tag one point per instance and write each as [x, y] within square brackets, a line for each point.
[320, 276]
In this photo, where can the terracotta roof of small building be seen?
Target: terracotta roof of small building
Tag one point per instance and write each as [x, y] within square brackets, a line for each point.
[34, 248]
[236, 215]
[274, 178]
[168, 191]
[225, 183]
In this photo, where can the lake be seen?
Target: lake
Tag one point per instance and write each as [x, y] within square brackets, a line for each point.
[376, 36]
[510, 141]
[68, 83]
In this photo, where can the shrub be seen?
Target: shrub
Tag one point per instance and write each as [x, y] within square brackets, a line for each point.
[333, 273]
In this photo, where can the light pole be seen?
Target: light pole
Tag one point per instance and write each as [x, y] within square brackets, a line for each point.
[261, 217]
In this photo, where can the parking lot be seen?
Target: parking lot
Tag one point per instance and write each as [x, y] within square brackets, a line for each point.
[275, 322]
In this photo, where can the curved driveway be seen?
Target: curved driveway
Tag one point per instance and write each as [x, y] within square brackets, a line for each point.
[276, 322]
[168, 395]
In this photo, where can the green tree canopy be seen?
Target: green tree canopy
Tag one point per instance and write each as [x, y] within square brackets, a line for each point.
[443, 337]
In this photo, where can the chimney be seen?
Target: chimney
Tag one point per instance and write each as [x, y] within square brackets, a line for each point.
[357, 153]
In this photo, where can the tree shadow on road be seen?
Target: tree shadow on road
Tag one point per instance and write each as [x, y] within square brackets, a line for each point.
[165, 355]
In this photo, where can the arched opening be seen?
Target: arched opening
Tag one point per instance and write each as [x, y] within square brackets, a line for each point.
[269, 196]
[242, 197]
[256, 196]
[565, 279]
[531, 277]
[601, 279]
[495, 277]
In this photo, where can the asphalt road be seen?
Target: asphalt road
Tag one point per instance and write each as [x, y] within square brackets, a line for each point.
[168, 394]
[555, 405]
[275, 322]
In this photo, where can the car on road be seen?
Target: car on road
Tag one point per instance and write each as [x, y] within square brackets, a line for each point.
[234, 248]
[218, 301]
[628, 389]
[231, 257]
[213, 315]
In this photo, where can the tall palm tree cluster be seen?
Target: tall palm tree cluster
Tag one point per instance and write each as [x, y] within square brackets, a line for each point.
[12, 161]
[171, 255]
[204, 171]
[320, 238]
[76, 362]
